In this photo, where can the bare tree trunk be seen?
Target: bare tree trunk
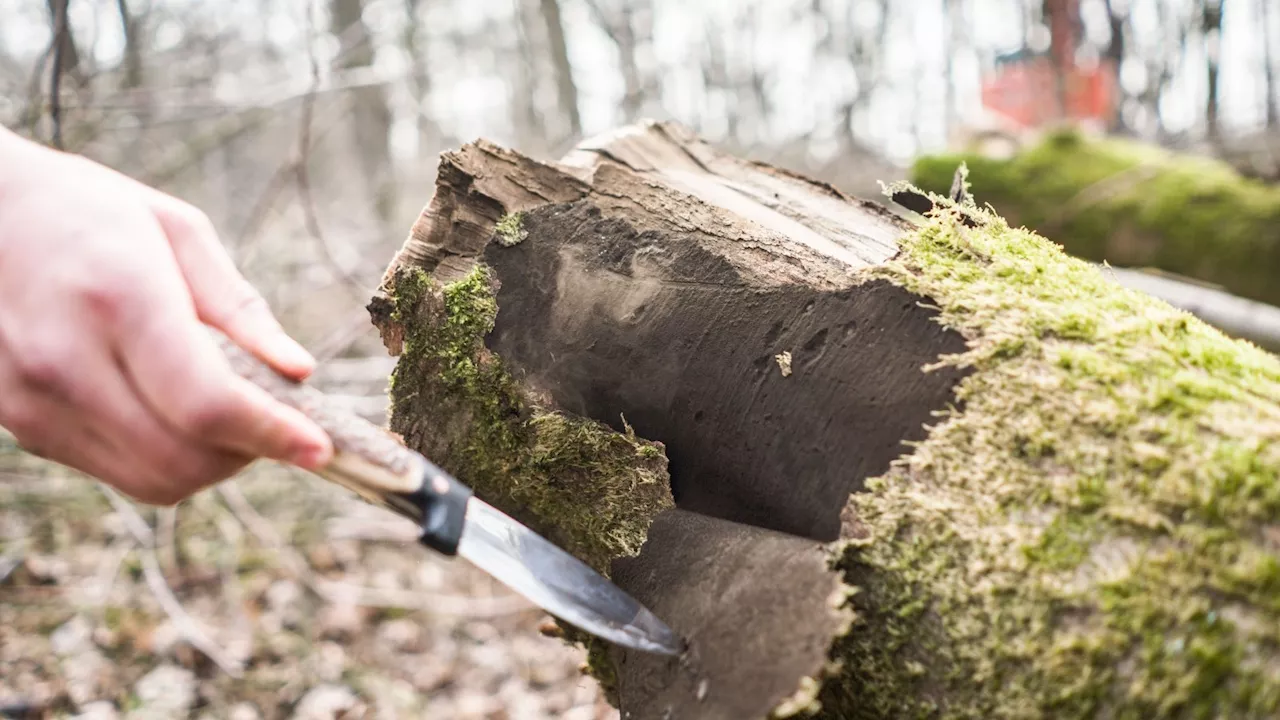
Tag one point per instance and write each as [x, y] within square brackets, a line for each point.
[1159, 69]
[1063, 16]
[530, 124]
[1211, 25]
[1269, 69]
[65, 60]
[864, 56]
[65, 52]
[628, 27]
[1118, 18]
[370, 113]
[412, 41]
[953, 37]
[131, 26]
[566, 90]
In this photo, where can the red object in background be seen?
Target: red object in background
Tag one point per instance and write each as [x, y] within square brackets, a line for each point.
[1025, 89]
[1026, 92]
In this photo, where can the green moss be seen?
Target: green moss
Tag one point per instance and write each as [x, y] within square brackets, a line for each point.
[1132, 205]
[1096, 533]
[591, 489]
[509, 230]
[599, 664]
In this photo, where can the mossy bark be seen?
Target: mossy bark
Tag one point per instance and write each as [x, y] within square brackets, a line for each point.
[994, 484]
[1132, 205]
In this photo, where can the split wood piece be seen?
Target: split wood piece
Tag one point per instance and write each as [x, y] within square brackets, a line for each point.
[759, 610]
[927, 467]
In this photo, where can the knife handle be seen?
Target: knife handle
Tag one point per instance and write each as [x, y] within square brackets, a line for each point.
[367, 459]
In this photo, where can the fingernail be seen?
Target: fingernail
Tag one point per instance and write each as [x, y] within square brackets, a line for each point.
[312, 456]
[290, 353]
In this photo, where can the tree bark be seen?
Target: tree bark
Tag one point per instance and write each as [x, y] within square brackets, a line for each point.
[918, 466]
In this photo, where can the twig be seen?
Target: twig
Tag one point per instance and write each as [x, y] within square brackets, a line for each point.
[166, 541]
[267, 198]
[12, 558]
[186, 625]
[302, 172]
[109, 570]
[201, 146]
[1096, 192]
[333, 344]
[232, 530]
[249, 517]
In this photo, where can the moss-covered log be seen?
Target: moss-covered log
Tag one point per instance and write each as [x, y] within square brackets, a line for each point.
[1132, 205]
[919, 469]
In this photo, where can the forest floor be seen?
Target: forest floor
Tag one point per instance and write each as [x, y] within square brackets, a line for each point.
[273, 595]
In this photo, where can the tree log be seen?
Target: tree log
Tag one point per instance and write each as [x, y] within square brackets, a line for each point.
[1133, 205]
[867, 465]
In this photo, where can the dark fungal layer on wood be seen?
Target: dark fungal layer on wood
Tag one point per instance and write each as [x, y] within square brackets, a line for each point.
[612, 321]
[758, 609]
[657, 290]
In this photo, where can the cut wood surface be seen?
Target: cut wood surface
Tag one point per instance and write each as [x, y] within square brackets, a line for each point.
[867, 466]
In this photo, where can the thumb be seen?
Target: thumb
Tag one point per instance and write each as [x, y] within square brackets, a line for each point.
[223, 298]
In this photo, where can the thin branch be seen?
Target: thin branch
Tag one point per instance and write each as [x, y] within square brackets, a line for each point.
[109, 569]
[1097, 192]
[12, 558]
[166, 537]
[58, 48]
[267, 199]
[341, 337]
[310, 218]
[187, 626]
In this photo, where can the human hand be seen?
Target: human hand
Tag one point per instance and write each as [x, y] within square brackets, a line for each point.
[105, 365]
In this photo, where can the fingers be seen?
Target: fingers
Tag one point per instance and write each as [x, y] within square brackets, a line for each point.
[223, 298]
[148, 460]
[176, 366]
[89, 419]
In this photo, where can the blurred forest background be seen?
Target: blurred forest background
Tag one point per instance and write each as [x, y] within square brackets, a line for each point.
[309, 131]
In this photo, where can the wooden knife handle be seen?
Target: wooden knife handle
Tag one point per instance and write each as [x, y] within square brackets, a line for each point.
[367, 458]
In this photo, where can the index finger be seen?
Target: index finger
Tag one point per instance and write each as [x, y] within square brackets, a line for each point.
[184, 377]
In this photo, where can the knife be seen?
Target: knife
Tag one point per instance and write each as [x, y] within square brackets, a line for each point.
[372, 463]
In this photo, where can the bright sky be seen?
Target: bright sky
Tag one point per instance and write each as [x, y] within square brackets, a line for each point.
[805, 90]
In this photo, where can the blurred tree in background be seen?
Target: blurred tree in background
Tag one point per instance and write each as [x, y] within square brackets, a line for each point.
[308, 130]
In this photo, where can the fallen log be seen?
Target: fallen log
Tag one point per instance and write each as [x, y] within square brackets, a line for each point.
[1134, 205]
[867, 466]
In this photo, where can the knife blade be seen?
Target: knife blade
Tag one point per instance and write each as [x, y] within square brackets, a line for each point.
[372, 463]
